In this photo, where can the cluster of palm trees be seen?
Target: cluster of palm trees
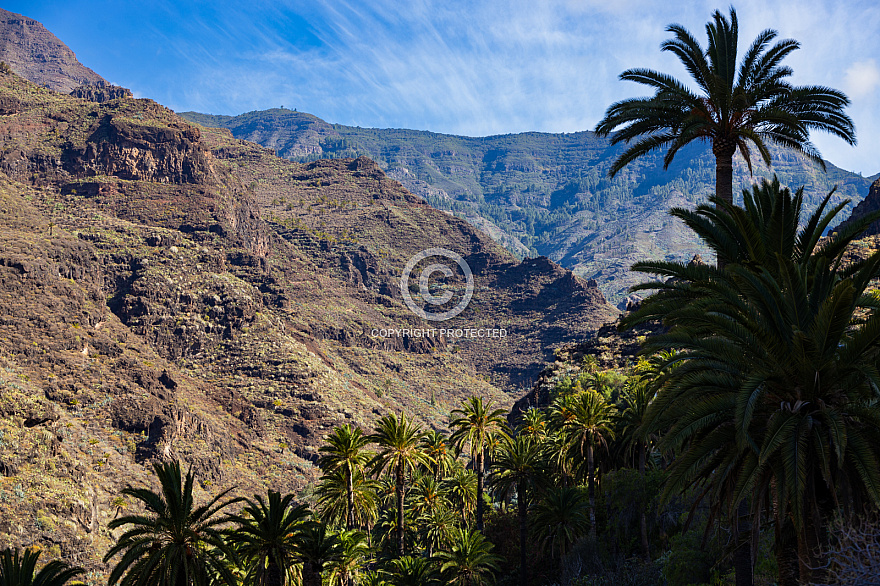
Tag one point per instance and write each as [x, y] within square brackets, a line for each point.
[400, 505]
[771, 400]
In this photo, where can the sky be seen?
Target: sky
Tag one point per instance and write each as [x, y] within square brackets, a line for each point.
[458, 67]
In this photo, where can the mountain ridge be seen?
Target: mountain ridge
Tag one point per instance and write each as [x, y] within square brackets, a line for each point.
[542, 193]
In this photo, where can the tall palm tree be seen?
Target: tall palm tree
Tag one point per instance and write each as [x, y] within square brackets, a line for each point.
[399, 442]
[343, 450]
[470, 561]
[266, 537]
[474, 424]
[20, 570]
[520, 465]
[775, 388]
[176, 543]
[735, 106]
[586, 423]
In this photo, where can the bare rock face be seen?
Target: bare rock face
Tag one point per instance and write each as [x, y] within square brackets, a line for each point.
[100, 92]
[867, 206]
[36, 54]
[140, 152]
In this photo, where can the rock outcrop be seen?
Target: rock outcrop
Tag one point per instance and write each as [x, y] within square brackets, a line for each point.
[100, 92]
[134, 150]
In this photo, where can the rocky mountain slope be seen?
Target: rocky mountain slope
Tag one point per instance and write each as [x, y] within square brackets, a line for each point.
[538, 193]
[36, 54]
[171, 292]
[869, 205]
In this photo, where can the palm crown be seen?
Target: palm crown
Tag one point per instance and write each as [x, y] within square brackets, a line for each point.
[21, 570]
[735, 106]
[176, 543]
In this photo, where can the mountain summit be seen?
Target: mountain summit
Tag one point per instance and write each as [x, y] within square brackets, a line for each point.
[36, 54]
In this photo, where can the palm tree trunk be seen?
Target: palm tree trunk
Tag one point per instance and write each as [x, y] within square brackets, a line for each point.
[724, 171]
[479, 467]
[646, 551]
[809, 548]
[274, 577]
[349, 517]
[591, 490]
[311, 574]
[785, 545]
[398, 489]
[742, 557]
[522, 507]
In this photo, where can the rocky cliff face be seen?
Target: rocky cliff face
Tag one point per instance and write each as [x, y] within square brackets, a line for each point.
[867, 206]
[36, 54]
[172, 292]
[129, 149]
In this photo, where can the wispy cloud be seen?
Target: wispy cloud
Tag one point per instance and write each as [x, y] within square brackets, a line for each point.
[500, 67]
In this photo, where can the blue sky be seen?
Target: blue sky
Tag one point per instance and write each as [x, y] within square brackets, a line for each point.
[472, 68]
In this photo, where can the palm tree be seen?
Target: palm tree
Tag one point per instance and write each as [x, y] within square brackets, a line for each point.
[461, 488]
[586, 423]
[318, 549]
[437, 450]
[176, 543]
[436, 527]
[470, 561]
[333, 499]
[520, 465]
[266, 537]
[735, 106]
[474, 425]
[399, 450]
[533, 423]
[412, 571]
[353, 548]
[343, 450]
[560, 519]
[19, 570]
[774, 391]
[637, 396]
[426, 495]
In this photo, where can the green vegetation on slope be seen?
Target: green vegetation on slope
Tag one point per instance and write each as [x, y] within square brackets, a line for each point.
[543, 194]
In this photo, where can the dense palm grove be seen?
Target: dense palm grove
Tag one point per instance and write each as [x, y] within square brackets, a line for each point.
[751, 423]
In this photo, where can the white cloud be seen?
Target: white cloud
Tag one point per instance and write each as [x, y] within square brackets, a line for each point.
[862, 79]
